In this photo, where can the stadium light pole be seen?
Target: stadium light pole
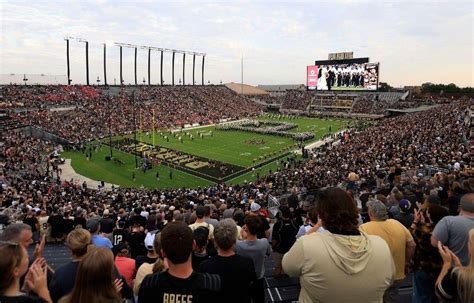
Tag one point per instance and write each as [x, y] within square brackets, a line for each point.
[184, 66]
[161, 69]
[149, 67]
[136, 53]
[121, 76]
[87, 63]
[194, 65]
[105, 64]
[67, 59]
[172, 70]
[202, 77]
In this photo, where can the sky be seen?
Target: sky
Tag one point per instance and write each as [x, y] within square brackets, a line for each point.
[414, 41]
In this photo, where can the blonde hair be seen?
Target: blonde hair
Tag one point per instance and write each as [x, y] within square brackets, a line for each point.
[78, 241]
[466, 274]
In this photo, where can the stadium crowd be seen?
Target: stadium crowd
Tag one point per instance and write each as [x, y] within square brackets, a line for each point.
[210, 244]
[95, 108]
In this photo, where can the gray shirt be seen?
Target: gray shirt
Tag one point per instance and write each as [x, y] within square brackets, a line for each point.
[453, 231]
[257, 250]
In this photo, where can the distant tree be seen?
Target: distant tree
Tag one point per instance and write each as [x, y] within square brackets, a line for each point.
[442, 88]
[384, 87]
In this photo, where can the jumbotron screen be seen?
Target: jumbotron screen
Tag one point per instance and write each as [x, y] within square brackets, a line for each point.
[353, 76]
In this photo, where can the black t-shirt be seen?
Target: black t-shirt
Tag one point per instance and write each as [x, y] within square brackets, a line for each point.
[31, 221]
[119, 236]
[21, 299]
[263, 228]
[80, 221]
[163, 288]
[237, 274]
[198, 259]
[63, 280]
[284, 232]
[137, 244]
[55, 221]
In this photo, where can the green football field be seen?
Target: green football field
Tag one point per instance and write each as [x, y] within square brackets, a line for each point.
[238, 148]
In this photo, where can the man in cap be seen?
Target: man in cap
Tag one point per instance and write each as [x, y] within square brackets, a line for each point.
[453, 231]
[398, 238]
[264, 230]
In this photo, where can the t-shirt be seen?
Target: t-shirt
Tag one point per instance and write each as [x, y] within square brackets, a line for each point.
[396, 235]
[126, 268]
[284, 232]
[31, 221]
[257, 250]
[100, 241]
[43, 222]
[55, 221]
[453, 231]
[119, 236]
[237, 274]
[21, 299]
[165, 288]
[137, 244]
[63, 280]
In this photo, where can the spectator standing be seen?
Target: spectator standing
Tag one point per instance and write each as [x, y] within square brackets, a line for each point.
[398, 239]
[180, 281]
[233, 269]
[95, 279]
[453, 231]
[125, 265]
[340, 256]
[93, 226]
[283, 236]
[257, 250]
[62, 282]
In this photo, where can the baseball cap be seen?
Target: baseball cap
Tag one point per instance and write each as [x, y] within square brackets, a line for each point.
[254, 206]
[404, 205]
[150, 237]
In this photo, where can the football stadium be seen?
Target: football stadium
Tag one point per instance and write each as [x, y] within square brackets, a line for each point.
[178, 189]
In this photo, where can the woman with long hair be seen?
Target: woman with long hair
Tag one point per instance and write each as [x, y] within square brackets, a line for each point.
[340, 256]
[456, 281]
[78, 241]
[95, 279]
[13, 265]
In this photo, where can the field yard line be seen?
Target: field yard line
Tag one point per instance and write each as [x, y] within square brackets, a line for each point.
[69, 173]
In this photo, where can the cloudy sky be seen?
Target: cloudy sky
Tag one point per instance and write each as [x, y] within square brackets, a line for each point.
[414, 41]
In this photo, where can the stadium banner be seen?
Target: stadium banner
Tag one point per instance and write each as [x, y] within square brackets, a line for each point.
[311, 76]
[349, 76]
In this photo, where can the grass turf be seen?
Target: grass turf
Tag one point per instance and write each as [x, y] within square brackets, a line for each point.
[226, 146]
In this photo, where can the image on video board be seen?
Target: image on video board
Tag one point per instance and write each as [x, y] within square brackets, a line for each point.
[348, 76]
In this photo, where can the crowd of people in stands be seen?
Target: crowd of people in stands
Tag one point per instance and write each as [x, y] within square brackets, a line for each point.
[210, 244]
[95, 108]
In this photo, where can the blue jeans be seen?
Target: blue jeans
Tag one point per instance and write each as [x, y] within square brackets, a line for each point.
[423, 287]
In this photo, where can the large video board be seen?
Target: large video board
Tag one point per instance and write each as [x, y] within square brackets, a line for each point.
[348, 76]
